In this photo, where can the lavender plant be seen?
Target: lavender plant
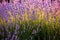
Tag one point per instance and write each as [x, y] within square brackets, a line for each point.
[36, 28]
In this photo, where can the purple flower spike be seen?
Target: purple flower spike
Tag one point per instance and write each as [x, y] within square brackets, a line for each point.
[52, 1]
[8, 7]
[13, 37]
[17, 26]
[33, 12]
[33, 18]
[28, 10]
[9, 35]
[54, 16]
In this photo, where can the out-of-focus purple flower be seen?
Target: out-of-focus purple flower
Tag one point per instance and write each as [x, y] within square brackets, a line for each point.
[16, 8]
[17, 26]
[52, 1]
[13, 37]
[16, 29]
[10, 24]
[36, 3]
[3, 9]
[58, 2]
[32, 17]
[20, 1]
[22, 9]
[15, 32]
[47, 15]
[33, 12]
[54, 16]
[28, 10]
[8, 7]
[9, 35]
[4, 13]
[6, 28]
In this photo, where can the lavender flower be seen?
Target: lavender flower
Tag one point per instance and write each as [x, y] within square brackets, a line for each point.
[33, 12]
[17, 27]
[9, 35]
[54, 16]
[28, 10]
[33, 17]
[58, 2]
[52, 1]
[13, 37]
[8, 7]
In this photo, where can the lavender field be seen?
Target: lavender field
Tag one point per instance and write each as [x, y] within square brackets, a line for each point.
[29, 19]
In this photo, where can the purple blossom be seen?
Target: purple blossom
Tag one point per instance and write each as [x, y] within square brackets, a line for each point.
[33, 12]
[10, 24]
[28, 10]
[52, 1]
[8, 7]
[4, 13]
[13, 37]
[33, 17]
[15, 32]
[58, 1]
[22, 9]
[9, 35]
[54, 16]
[17, 26]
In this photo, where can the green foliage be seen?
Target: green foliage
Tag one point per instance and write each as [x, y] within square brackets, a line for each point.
[32, 30]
